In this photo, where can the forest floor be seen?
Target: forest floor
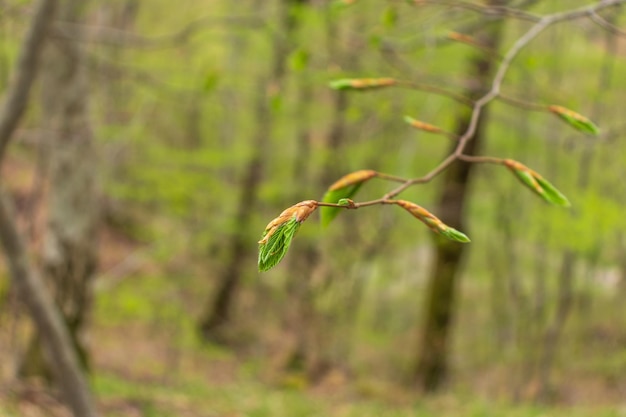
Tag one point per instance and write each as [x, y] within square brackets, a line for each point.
[157, 371]
[149, 362]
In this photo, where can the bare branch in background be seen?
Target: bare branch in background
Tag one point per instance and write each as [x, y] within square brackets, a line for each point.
[16, 96]
[121, 38]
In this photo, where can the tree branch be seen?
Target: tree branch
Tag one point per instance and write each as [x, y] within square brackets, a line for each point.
[17, 94]
[28, 282]
[121, 38]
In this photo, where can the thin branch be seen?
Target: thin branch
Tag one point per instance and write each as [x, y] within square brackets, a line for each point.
[481, 159]
[490, 11]
[522, 104]
[493, 93]
[121, 38]
[602, 22]
[25, 71]
[437, 90]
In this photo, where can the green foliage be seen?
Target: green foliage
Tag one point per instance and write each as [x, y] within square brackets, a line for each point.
[274, 250]
[539, 185]
[432, 221]
[454, 235]
[342, 190]
[576, 120]
[327, 214]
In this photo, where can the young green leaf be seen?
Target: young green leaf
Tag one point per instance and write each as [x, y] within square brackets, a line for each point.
[455, 235]
[274, 250]
[343, 189]
[432, 221]
[539, 185]
[576, 120]
[361, 83]
[279, 233]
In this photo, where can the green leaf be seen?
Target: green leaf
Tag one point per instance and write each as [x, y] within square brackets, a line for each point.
[576, 120]
[539, 185]
[433, 223]
[455, 235]
[528, 180]
[274, 250]
[552, 194]
[327, 214]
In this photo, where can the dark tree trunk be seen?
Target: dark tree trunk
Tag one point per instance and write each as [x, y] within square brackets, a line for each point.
[432, 366]
[219, 310]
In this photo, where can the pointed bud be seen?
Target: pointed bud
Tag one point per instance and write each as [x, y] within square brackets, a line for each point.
[422, 125]
[361, 83]
[356, 177]
[343, 189]
[537, 183]
[432, 221]
[576, 120]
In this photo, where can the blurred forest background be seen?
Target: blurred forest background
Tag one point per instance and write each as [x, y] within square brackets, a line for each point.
[160, 138]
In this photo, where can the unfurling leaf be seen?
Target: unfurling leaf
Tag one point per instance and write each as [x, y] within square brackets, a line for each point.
[361, 83]
[343, 189]
[279, 232]
[421, 125]
[537, 183]
[576, 120]
[432, 221]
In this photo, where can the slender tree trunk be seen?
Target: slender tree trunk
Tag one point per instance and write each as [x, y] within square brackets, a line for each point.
[219, 311]
[555, 329]
[432, 366]
[56, 339]
[69, 252]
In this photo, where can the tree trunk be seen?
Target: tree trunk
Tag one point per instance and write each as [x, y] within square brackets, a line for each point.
[26, 280]
[219, 311]
[69, 252]
[56, 340]
[432, 366]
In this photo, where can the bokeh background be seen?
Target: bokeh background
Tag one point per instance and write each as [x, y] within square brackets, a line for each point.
[168, 134]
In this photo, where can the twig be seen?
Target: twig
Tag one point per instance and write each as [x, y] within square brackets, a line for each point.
[25, 72]
[121, 38]
[596, 18]
[523, 104]
[438, 90]
[491, 11]
[493, 93]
